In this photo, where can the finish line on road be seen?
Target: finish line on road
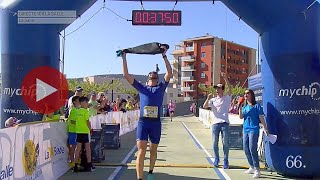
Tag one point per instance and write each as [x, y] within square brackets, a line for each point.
[166, 165]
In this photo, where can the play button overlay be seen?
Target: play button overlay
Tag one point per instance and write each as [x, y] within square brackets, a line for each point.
[44, 90]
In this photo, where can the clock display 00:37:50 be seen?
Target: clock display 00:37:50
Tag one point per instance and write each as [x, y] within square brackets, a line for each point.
[143, 17]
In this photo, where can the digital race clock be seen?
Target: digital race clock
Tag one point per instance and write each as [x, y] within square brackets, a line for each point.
[150, 17]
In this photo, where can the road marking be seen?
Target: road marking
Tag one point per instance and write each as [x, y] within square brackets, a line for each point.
[117, 171]
[219, 171]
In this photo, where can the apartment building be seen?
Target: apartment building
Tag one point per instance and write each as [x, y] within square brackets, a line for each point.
[200, 60]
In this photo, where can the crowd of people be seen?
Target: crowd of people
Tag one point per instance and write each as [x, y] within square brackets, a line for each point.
[100, 104]
[78, 110]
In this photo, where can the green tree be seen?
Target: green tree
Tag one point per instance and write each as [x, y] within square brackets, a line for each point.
[89, 87]
[235, 90]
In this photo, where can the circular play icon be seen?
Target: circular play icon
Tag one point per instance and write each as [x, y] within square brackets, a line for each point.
[44, 89]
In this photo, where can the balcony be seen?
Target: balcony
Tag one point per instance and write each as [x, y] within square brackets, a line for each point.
[188, 98]
[187, 89]
[190, 49]
[188, 68]
[177, 51]
[174, 61]
[190, 78]
[173, 80]
[188, 59]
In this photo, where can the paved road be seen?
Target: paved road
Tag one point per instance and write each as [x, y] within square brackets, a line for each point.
[185, 152]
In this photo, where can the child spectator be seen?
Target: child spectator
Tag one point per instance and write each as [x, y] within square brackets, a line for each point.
[83, 130]
[53, 116]
[72, 136]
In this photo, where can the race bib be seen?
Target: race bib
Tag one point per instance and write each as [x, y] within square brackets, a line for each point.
[150, 111]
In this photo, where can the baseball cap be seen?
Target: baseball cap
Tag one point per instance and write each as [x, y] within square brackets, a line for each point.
[78, 88]
[12, 121]
[219, 86]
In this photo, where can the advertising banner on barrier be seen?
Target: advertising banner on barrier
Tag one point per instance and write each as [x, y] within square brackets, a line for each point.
[7, 139]
[206, 117]
[40, 151]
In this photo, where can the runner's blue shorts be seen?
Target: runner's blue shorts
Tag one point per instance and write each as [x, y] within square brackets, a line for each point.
[148, 129]
[72, 138]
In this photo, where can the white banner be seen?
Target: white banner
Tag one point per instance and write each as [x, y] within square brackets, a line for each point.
[206, 117]
[7, 138]
[128, 121]
[41, 151]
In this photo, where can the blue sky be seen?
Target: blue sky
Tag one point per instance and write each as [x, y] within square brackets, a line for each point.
[91, 49]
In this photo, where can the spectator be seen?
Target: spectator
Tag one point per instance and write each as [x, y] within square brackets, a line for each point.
[129, 106]
[72, 136]
[122, 107]
[83, 129]
[103, 107]
[53, 116]
[93, 105]
[164, 111]
[234, 107]
[253, 115]
[77, 92]
[220, 109]
[12, 122]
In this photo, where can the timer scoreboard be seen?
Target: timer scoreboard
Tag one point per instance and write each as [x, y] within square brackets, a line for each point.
[156, 18]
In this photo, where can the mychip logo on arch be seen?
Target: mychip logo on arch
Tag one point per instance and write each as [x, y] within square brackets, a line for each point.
[312, 91]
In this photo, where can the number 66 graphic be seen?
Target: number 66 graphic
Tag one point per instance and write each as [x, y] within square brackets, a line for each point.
[292, 162]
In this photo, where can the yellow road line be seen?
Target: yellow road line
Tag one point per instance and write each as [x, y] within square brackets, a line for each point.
[173, 165]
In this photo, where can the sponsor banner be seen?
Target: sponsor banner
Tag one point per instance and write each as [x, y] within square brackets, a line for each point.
[37, 151]
[41, 151]
[7, 139]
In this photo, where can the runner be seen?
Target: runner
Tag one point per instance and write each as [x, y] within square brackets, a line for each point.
[220, 108]
[149, 125]
[171, 107]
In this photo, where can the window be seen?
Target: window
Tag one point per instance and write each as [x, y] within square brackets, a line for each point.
[203, 44]
[203, 65]
[203, 75]
[203, 54]
[179, 58]
[244, 70]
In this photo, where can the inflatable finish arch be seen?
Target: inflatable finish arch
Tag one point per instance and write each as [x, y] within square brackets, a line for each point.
[290, 33]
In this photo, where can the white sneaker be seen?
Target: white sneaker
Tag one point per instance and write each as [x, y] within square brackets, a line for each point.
[249, 171]
[256, 174]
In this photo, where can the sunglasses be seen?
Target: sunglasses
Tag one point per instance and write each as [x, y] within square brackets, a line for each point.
[247, 93]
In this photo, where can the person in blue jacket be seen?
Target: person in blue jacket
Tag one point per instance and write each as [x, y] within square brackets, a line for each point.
[253, 115]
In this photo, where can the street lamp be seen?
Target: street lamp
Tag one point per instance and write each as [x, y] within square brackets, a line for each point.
[112, 90]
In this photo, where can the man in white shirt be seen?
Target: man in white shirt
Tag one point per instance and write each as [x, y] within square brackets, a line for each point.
[77, 92]
[220, 107]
